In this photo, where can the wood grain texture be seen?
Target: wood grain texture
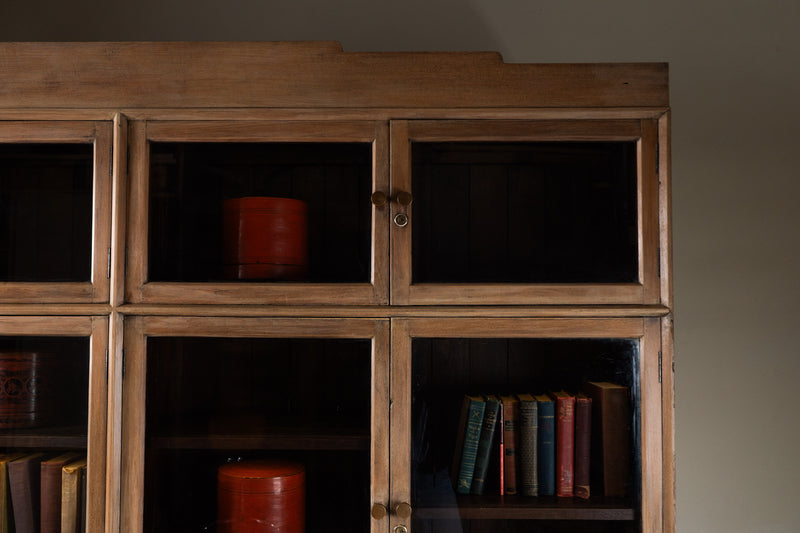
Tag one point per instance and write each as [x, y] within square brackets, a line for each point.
[97, 133]
[527, 328]
[649, 242]
[97, 430]
[114, 441]
[400, 419]
[281, 74]
[131, 502]
[380, 444]
[119, 200]
[652, 444]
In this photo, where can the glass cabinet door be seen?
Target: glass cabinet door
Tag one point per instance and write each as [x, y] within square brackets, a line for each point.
[257, 212]
[214, 406]
[53, 421]
[55, 211]
[542, 462]
[525, 212]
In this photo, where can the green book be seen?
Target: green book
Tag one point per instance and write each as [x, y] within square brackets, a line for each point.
[485, 444]
[472, 434]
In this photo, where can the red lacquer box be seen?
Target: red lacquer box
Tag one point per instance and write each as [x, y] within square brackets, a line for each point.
[265, 238]
[264, 496]
[29, 383]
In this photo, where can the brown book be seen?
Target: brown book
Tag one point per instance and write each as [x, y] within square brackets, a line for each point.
[51, 491]
[611, 442]
[72, 499]
[461, 432]
[24, 480]
[565, 443]
[6, 514]
[510, 443]
[583, 434]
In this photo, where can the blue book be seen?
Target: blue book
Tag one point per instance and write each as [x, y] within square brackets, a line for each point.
[546, 439]
[476, 407]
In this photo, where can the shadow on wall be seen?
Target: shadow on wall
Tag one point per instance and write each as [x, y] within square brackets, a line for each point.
[360, 25]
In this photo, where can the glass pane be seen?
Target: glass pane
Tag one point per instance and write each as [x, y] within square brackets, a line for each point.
[46, 212]
[215, 402]
[532, 212]
[446, 371]
[329, 242]
[44, 384]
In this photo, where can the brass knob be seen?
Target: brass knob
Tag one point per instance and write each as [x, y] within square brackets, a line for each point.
[404, 198]
[378, 511]
[378, 199]
[403, 510]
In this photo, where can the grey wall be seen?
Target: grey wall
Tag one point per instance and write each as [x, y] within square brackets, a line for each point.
[734, 86]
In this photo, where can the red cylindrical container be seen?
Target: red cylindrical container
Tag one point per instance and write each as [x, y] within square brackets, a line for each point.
[28, 388]
[265, 238]
[265, 496]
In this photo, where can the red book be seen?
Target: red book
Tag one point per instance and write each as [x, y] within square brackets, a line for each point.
[583, 434]
[51, 492]
[510, 443]
[565, 443]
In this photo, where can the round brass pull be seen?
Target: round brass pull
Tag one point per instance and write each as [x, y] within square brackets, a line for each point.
[403, 510]
[401, 220]
[378, 511]
[404, 198]
[378, 199]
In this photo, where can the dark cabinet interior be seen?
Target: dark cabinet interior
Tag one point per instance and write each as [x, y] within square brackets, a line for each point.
[190, 181]
[444, 370]
[46, 210]
[212, 401]
[524, 212]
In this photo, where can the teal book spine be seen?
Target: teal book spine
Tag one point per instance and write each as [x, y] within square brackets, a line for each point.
[485, 444]
[472, 435]
[546, 439]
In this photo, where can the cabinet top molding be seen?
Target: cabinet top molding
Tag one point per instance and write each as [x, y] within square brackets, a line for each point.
[307, 75]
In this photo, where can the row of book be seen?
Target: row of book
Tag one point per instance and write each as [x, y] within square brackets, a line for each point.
[43, 492]
[559, 443]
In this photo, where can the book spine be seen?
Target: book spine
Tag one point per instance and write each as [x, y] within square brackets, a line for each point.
[565, 446]
[510, 434]
[51, 498]
[583, 430]
[469, 452]
[528, 431]
[485, 446]
[612, 436]
[24, 480]
[501, 433]
[547, 449]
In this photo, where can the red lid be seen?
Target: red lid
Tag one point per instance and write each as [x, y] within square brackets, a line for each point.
[263, 476]
[265, 202]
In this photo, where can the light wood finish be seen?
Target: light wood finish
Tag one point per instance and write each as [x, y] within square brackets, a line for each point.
[95, 328]
[137, 329]
[147, 75]
[140, 289]
[68, 132]
[120, 197]
[405, 292]
[114, 416]
[380, 311]
[652, 429]
[400, 420]
[122, 96]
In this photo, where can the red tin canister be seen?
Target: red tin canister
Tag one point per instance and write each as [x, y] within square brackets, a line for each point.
[28, 388]
[262, 496]
[265, 238]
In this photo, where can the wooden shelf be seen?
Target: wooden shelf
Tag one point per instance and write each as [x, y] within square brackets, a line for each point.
[47, 437]
[528, 508]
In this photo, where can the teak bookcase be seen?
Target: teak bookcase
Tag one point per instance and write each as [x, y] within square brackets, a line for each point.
[474, 227]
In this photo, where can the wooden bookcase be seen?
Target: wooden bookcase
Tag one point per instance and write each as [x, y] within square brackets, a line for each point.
[473, 227]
